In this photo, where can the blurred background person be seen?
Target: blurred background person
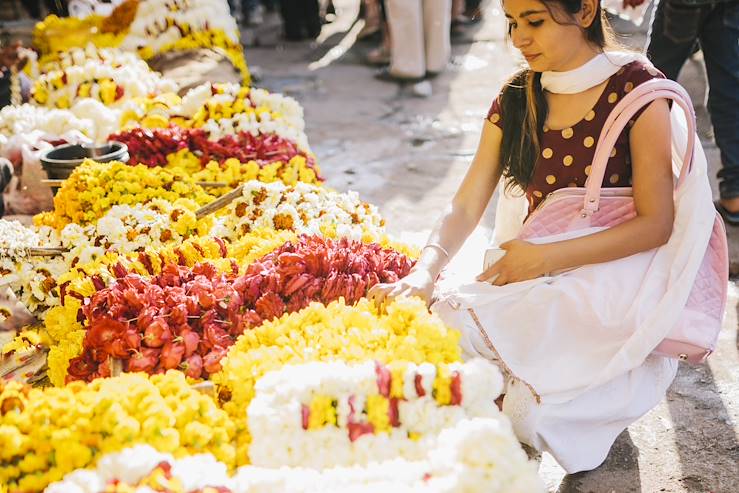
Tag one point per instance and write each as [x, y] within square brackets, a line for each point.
[679, 28]
[419, 34]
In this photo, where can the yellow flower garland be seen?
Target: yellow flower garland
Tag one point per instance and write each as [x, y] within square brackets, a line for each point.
[335, 332]
[93, 188]
[47, 433]
[233, 172]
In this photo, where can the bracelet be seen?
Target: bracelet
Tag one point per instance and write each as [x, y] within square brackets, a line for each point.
[437, 246]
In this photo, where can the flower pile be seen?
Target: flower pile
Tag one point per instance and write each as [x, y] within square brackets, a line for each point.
[152, 147]
[228, 109]
[180, 319]
[315, 269]
[147, 28]
[47, 433]
[142, 468]
[77, 57]
[303, 208]
[477, 455]
[105, 83]
[187, 318]
[367, 412]
[333, 332]
[93, 188]
[124, 229]
[35, 123]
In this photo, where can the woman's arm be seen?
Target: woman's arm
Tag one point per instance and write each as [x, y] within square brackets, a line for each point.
[651, 158]
[461, 217]
[456, 223]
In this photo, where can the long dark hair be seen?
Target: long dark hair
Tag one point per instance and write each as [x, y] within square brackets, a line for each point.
[523, 106]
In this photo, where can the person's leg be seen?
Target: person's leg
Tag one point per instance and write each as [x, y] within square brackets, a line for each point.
[672, 36]
[407, 50]
[292, 25]
[311, 13]
[720, 43]
[437, 22]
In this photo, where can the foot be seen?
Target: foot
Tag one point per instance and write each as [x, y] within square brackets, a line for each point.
[379, 56]
[384, 74]
[729, 210]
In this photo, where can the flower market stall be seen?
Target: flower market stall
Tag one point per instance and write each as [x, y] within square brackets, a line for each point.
[200, 319]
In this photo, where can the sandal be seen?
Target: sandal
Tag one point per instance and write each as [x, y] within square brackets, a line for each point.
[384, 74]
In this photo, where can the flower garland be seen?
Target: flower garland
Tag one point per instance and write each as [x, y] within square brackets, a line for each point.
[125, 229]
[142, 468]
[76, 57]
[314, 269]
[47, 433]
[159, 23]
[364, 413]
[56, 34]
[407, 331]
[215, 39]
[63, 323]
[36, 123]
[106, 83]
[154, 147]
[476, 455]
[93, 188]
[303, 208]
[187, 318]
[151, 112]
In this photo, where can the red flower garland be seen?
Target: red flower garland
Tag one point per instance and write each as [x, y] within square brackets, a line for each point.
[187, 318]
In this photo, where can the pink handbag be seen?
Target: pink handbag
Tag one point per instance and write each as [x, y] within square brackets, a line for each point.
[569, 209]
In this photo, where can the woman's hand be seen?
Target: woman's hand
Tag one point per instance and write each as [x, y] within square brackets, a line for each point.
[418, 283]
[522, 261]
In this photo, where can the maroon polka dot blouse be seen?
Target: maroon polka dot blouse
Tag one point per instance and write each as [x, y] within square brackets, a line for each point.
[566, 154]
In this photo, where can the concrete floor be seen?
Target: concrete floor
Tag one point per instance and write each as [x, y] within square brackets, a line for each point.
[408, 154]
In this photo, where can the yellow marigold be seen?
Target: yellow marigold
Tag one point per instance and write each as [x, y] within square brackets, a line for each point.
[93, 188]
[407, 331]
[47, 433]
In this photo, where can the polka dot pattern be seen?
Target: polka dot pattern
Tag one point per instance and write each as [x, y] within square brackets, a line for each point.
[566, 155]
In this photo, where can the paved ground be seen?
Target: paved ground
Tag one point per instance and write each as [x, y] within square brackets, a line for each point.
[408, 154]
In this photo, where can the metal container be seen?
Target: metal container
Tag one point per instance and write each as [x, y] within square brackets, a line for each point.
[60, 161]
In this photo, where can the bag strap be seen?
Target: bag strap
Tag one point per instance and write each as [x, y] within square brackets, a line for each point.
[639, 97]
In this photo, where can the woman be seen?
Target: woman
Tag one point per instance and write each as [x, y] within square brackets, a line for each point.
[578, 373]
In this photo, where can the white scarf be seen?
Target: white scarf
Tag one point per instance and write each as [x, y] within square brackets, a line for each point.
[596, 71]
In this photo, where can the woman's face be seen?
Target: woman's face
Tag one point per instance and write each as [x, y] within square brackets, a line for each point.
[546, 44]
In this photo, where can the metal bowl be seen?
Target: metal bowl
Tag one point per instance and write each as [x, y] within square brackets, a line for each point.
[60, 161]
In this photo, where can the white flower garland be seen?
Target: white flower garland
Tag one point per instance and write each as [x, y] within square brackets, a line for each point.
[303, 208]
[77, 57]
[125, 229]
[98, 81]
[282, 405]
[157, 22]
[478, 455]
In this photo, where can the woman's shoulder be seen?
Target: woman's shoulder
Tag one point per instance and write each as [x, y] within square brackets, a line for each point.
[636, 73]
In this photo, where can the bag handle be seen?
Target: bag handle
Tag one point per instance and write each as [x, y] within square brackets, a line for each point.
[639, 97]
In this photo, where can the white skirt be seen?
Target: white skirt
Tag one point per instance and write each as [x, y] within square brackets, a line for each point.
[580, 432]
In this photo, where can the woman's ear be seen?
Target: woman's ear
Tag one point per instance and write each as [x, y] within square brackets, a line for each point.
[587, 13]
